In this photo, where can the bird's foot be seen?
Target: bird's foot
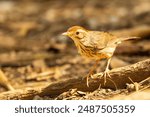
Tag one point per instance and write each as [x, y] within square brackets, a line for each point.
[87, 79]
[105, 74]
[90, 75]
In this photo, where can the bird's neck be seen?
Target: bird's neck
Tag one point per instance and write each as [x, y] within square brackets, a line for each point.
[81, 48]
[78, 44]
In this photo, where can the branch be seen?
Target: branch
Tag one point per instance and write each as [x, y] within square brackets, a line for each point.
[20, 94]
[137, 72]
[4, 81]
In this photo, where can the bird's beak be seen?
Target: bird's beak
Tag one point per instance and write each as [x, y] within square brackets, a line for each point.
[65, 33]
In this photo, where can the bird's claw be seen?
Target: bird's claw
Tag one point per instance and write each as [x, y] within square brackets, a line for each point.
[105, 74]
[92, 76]
[87, 79]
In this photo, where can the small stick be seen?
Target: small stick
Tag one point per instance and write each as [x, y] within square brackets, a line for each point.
[4, 81]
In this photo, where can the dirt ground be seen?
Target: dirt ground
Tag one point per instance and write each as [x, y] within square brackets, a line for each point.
[34, 54]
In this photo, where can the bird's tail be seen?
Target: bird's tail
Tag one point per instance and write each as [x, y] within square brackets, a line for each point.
[121, 39]
[127, 38]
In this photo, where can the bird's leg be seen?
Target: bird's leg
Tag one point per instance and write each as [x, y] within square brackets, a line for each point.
[91, 72]
[105, 74]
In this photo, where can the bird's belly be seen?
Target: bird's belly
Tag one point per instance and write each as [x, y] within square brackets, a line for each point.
[107, 52]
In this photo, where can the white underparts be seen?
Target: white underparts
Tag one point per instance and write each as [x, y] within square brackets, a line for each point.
[108, 51]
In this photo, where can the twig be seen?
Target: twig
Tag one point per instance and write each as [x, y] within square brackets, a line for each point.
[4, 81]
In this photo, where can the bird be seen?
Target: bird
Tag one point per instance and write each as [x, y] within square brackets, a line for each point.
[95, 45]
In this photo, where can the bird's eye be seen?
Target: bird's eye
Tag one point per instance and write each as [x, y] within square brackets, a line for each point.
[77, 33]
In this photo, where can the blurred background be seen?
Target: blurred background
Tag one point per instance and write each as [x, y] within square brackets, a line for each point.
[31, 40]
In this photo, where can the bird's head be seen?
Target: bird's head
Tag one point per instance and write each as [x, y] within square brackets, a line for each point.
[76, 32]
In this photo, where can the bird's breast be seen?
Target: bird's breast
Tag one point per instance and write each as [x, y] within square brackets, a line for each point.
[94, 53]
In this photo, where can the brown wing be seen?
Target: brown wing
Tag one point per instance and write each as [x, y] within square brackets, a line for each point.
[98, 40]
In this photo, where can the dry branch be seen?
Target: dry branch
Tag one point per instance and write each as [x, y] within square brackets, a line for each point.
[4, 81]
[20, 94]
[137, 72]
